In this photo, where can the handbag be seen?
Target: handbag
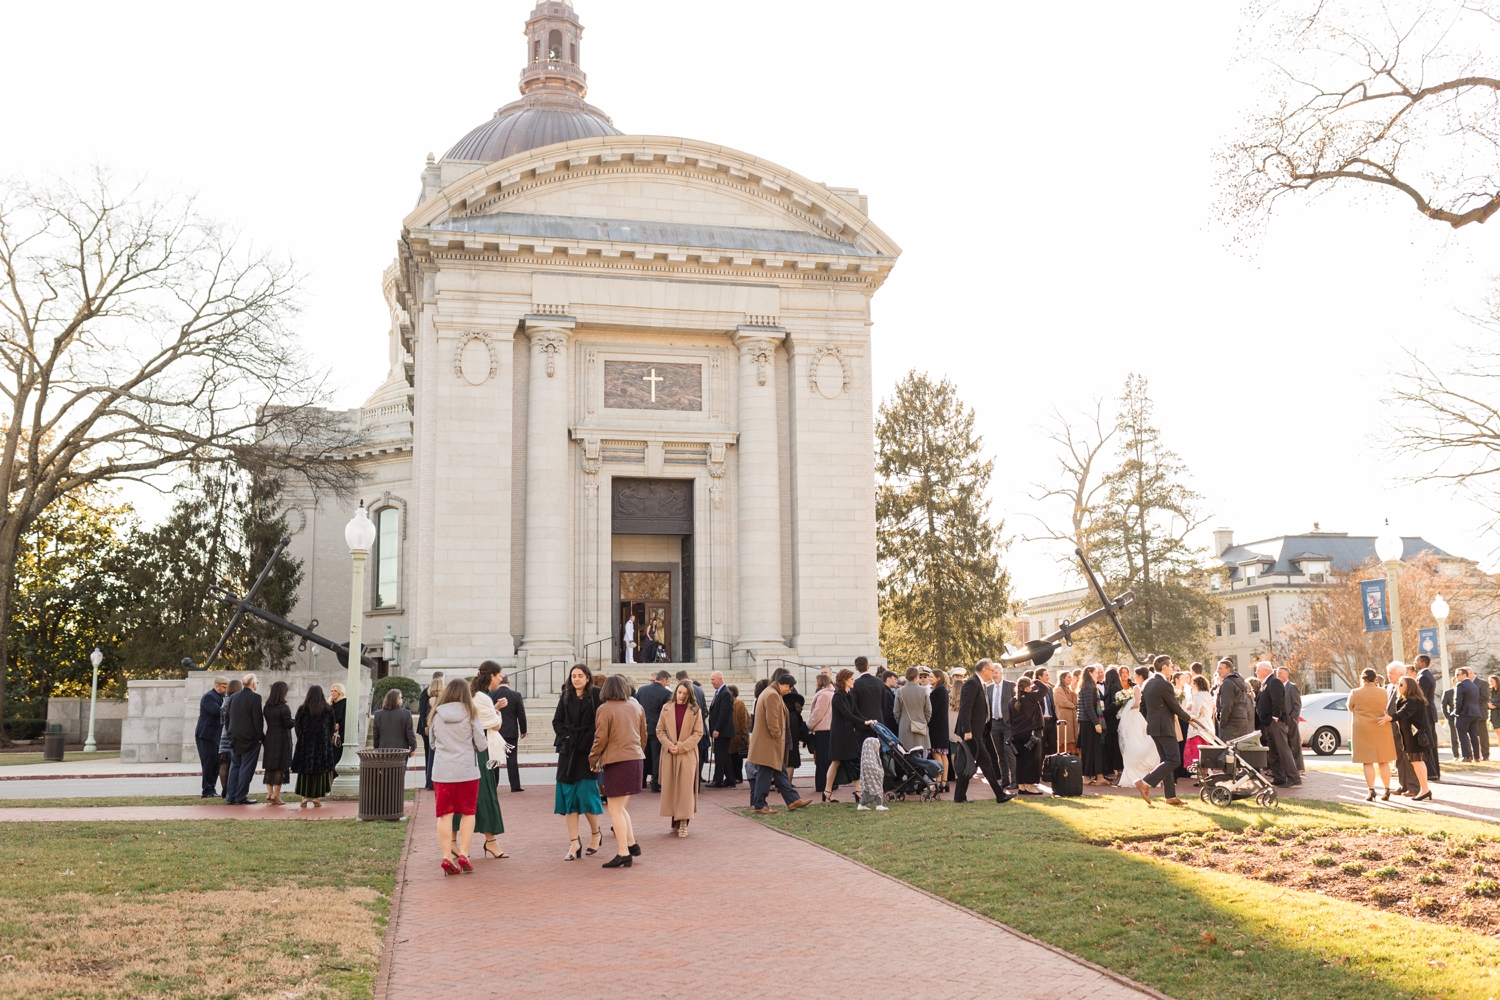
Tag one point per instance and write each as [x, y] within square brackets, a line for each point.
[1423, 740]
[964, 764]
[920, 728]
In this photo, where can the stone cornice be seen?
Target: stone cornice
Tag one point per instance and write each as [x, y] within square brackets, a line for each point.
[625, 433]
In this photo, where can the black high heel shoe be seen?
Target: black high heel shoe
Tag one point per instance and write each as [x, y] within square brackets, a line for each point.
[1371, 796]
[490, 843]
[1387, 796]
[574, 853]
[1424, 797]
[593, 847]
[618, 861]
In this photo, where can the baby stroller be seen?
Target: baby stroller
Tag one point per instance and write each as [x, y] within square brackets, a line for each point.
[905, 772]
[1232, 771]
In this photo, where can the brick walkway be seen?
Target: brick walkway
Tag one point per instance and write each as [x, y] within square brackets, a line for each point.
[735, 910]
[91, 814]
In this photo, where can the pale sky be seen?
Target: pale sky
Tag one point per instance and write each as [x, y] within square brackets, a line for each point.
[1047, 170]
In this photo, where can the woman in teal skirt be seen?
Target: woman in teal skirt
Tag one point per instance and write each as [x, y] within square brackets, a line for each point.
[315, 757]
[487, 818]
[577, 785]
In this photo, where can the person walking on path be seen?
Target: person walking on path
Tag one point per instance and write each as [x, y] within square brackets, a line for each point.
[206, 735]
[577, 785]
[973, 727]
[937, 726]
[393, 725]
[1159, 706]
[913, 713]
[512, 728]
[1091, 726]
[1406, 775]
[425, 705]
[845, 736]
[619, 753]
[652, 698]
[678, 731]
[768, 747]
[458, 740]
[820, 725]
[235, 687]
[278, 742]
[721, 728]
[484, 690]
[247, 727]
[315, 758]
[1413, 727]
[1373, 743]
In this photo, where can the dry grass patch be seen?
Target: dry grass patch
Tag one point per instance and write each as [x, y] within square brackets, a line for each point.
[286, 943]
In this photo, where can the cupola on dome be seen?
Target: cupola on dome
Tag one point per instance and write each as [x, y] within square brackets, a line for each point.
[553, 86]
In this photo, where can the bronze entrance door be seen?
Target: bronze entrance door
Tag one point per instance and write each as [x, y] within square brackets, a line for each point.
[646, 599]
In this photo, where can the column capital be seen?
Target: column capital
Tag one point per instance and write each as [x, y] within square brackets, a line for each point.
[758, 344]
[550, 342]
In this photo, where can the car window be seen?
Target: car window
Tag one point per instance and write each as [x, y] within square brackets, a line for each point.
[1338, 705]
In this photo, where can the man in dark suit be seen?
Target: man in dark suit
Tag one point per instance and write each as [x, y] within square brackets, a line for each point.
[721, 729]
[1049, 713]
[652, 697]
[1293, 717]
[1468, 712]
[1453, 740]
[868, 693]
[973, 727]
[512, 729]
[206, 735]
[247, 727]
[1427, 681]
[1159, 706]
[1000, 697]
[1270, 715]
[891, 680]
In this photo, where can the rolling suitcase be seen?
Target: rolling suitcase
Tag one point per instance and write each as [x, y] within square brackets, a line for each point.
[1064, 774]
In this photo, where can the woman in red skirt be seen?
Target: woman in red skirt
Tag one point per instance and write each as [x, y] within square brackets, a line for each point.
[456, 739]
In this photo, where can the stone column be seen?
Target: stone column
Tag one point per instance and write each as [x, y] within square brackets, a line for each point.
[548, 555]
[760, 627]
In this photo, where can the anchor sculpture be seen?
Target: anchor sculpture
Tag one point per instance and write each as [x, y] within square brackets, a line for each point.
[1039, 651]
[246, 606]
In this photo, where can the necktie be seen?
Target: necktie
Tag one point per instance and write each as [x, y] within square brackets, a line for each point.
[995, 708]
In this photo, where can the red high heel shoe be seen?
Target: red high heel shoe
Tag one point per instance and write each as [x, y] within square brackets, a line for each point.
[463, 863]
[449, 868]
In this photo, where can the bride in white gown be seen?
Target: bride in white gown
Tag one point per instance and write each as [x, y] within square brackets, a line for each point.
[1138, 749]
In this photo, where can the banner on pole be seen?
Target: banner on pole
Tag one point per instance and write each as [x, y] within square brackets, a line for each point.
[1427, 642]
[1372, 594]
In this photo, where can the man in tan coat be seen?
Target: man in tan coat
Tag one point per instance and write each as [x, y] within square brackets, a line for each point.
[768, 746]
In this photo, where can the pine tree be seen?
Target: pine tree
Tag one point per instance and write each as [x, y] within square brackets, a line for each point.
[943, 592]
[1140, 531]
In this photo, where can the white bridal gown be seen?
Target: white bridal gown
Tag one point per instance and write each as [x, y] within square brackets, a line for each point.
[1136, 747]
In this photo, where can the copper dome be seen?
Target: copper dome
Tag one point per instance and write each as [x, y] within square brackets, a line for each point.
[553, 86]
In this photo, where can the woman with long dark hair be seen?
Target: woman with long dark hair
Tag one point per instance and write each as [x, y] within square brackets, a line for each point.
[619, 753]
[1114, 760]
[577, 783]
[845, 736]
[278, 742]
[1028, 734]
[937, 727]
[487, 818]
[316, 757]
[1410, 717]
[1091, 737]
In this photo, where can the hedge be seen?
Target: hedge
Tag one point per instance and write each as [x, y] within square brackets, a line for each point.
[25, 729]
[410, 691]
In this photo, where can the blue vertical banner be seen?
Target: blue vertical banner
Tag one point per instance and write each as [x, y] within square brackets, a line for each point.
[1372, 595]
[1427, 642]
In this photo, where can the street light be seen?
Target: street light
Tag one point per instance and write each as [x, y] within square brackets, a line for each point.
[1388, 549]
[359, 533]
[95, 658]
[1440, 612]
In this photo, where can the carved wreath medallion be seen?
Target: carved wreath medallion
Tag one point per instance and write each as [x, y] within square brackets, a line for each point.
[474, 359]
[826, 389]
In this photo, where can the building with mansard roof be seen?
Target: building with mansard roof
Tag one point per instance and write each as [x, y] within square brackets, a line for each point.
[629, 380]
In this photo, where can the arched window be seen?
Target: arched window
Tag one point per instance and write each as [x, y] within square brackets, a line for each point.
[554, 45]
[536, 50]
[388, 557]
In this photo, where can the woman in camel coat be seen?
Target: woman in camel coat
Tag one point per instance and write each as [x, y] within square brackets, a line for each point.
[678, 730]
[1373, 743]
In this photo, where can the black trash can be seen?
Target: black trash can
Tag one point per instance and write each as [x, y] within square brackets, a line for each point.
[52, 743]
[382, 784]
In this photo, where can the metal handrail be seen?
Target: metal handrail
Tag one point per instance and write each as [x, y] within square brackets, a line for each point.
[717, 661]
[524, 681]
[805, 673]
[597, 661]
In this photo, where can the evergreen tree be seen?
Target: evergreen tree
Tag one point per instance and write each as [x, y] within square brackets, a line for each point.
[943, 592]
[220, 533]
[1140, 534]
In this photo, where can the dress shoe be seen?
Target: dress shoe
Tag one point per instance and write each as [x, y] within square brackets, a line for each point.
[1424, 797]
[1173, 802]
[1145, 791]
[1002, 798]
[618, 861]
[635, 850]
[765, 811]
[798, 804]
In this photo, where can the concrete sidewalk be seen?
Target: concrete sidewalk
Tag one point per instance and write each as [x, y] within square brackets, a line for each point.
[260, 811]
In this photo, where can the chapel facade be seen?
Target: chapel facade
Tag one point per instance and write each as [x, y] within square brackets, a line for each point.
[629, 380]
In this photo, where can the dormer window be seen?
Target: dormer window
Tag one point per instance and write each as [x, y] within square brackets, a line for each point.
[1250, 578]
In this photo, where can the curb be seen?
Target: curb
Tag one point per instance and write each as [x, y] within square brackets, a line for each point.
[1123, 980]
[388, 946]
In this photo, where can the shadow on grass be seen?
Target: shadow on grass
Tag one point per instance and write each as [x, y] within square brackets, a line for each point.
[1045, 868]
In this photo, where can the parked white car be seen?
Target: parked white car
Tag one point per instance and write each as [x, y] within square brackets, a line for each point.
[1325, 722]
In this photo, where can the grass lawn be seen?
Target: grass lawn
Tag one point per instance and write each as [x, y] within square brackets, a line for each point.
[194, 909]
[1047, 867]
[10, 758]
[141, 800]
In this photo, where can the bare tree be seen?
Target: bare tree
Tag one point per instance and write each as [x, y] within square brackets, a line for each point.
[1396, 96]
[136, 337]
[1078, 449]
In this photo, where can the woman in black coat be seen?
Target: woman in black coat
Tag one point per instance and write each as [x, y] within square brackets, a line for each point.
[796, 727]
[1411, 722]
[316, 756]
[278, 742]
[846, 734]
[1114, 761]
[1090, 724]
[577, 783]
[937, 726]
[1027, 734]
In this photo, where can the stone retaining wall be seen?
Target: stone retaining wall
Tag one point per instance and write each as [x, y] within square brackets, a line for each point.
[73, 715]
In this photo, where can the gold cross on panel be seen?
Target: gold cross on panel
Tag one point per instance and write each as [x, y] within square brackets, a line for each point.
[653, 378]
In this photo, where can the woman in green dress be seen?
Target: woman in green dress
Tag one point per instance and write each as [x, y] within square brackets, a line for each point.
[487, 819]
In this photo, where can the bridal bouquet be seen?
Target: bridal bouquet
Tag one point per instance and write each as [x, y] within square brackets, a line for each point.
[1121, 697]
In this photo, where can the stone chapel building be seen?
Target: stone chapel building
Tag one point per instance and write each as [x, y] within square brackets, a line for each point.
[629, 378]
